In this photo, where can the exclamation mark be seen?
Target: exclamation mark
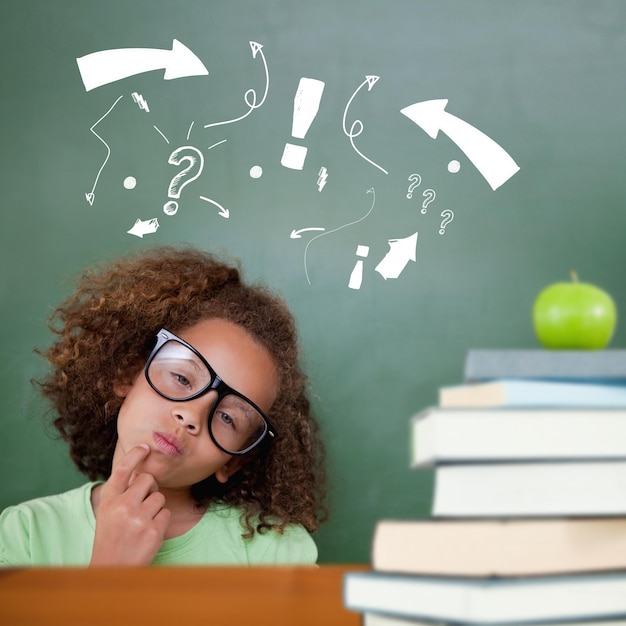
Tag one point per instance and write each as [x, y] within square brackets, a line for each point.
[306, 104]
[356, 277]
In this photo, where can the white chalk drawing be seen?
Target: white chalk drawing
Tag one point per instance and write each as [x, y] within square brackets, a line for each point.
[492, 161]
[195, 164]
[429, 195]
[141, 227]
[160, 133]
[306, 104]
[223, 212]
[140, 101]
[250, 95]
[130, 182]
[401, 251]
[448, 216]
[108, 66]
[356, 276]
[357, 126]
[416, 180]
[91, 195]
[306, 249]
[322, 177]
[297, 234]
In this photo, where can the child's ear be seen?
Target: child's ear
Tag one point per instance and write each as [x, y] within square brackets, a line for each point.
[231, 466]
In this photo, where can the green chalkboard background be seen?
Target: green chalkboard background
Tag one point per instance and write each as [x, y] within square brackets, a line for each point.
[544, 79]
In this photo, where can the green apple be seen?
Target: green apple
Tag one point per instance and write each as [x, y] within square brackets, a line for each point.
[574, 316]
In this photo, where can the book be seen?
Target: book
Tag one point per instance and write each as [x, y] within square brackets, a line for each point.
[441, 435]
[593, 488]
[533, 393]
[597, 365]
[488, 600]
[499, 547]
[375, 619]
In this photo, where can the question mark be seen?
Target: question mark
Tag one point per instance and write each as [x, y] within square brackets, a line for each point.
[448, 216]
[417, 179]
[430, 195]
[194, 159]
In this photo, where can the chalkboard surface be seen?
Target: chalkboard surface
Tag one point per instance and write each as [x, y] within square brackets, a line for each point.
[408, 173]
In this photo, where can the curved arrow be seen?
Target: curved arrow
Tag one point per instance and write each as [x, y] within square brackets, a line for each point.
[107, 66]
[223, 212]
[492, 161]
[370, 81]
[250, 95]
[370, 190]
[295, 234]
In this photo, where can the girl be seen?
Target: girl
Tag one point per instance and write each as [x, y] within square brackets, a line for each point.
[179, 391]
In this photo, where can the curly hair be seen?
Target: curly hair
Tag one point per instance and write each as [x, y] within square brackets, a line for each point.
[105, 332]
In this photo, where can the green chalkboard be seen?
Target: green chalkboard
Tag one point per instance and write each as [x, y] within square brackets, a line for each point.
[521, 141]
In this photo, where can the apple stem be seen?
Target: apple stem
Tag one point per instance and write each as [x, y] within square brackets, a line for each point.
[574, 276]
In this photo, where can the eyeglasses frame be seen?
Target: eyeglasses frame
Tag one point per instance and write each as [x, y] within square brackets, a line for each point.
[216, 384]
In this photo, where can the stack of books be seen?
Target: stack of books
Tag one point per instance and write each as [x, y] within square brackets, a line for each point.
[529, 510]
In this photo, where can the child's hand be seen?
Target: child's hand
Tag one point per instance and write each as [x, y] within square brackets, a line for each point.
[130, 519]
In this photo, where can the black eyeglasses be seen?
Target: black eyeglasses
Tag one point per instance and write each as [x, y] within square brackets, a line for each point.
[178, 372]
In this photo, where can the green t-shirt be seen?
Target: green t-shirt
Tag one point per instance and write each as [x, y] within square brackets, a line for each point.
[59, 530]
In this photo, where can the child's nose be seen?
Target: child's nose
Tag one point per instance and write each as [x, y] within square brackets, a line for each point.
[194, 414]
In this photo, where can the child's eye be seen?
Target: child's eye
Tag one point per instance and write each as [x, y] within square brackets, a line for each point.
[181, 379]
[226, 419]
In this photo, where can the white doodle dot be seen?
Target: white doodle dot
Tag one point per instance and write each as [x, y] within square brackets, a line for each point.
[454, 166]
[130, 182]
[170, 208]
[256, 171]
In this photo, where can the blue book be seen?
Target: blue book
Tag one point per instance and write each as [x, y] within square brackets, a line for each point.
[534, 393]
[590, 365]
[525, 600]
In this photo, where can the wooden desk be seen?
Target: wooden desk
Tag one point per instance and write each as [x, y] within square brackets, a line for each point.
[294, 596]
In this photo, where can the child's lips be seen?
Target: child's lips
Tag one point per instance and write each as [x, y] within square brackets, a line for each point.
[167, 443]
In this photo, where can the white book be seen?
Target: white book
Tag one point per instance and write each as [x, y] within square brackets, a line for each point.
[530, 489]
[466, 435]
[499, 547]
[374, 619]
[488, 600]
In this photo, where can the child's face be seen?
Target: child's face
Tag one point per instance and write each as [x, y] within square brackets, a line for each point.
[182, 452]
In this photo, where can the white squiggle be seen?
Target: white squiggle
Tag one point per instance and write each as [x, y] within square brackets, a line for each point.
[370, 190]
[160, 133]
[370, 81]
[90, 196]
[217, 144]
[250, 95]
[189, 131]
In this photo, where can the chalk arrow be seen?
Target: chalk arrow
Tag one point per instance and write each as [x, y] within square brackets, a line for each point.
[222, 211]
[295, 234]
[401, 251]
[107, 66]
[492, 161]
[141, 228]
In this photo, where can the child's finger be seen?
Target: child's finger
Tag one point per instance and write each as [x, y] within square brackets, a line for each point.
[121, 475]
